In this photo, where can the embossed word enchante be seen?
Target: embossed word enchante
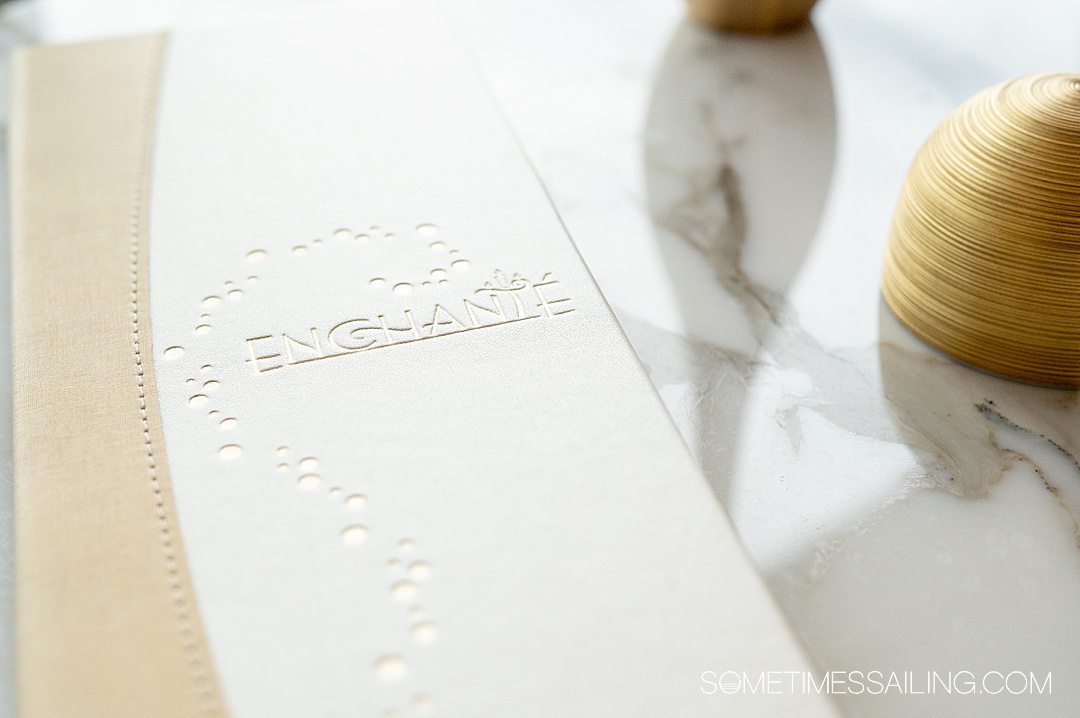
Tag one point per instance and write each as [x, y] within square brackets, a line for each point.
[497, 303]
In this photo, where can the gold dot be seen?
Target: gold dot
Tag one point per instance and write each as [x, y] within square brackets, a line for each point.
[256, 255]
[174, 353]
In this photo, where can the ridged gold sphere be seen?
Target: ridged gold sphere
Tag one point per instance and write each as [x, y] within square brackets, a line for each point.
[983, 259]
[751, 16]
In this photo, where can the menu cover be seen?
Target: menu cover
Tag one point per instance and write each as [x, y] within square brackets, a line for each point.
[319, 412]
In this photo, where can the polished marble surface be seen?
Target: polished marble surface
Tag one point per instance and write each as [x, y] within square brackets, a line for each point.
[732, 196]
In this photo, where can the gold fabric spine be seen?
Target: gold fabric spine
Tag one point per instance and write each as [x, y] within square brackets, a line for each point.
[106, 621]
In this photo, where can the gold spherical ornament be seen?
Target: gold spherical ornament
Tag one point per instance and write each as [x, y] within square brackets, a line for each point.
[751, 16]
[983, 259]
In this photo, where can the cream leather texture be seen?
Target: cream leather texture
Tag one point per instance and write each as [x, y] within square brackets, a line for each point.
[417, 465]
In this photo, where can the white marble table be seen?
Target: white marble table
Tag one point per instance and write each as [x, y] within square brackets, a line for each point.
[732, 197]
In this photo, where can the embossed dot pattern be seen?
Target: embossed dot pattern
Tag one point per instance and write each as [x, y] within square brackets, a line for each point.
[353, 535]
[421, 704]
[309, 482]
[403, 591]
[407, 571]
[424, 632]
[391, 667]
[229, 452]
[420, 570]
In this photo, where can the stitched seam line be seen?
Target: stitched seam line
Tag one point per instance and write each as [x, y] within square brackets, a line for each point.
[197, 665]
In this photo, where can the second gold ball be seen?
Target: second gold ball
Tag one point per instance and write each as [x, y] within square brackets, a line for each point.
[755, 17]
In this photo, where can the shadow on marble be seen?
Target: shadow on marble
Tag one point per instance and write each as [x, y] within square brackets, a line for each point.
[953, 413]
[908, 512]
[740, 140]
[971, 565]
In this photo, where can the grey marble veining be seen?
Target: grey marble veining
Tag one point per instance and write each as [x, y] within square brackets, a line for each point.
[733, 196]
